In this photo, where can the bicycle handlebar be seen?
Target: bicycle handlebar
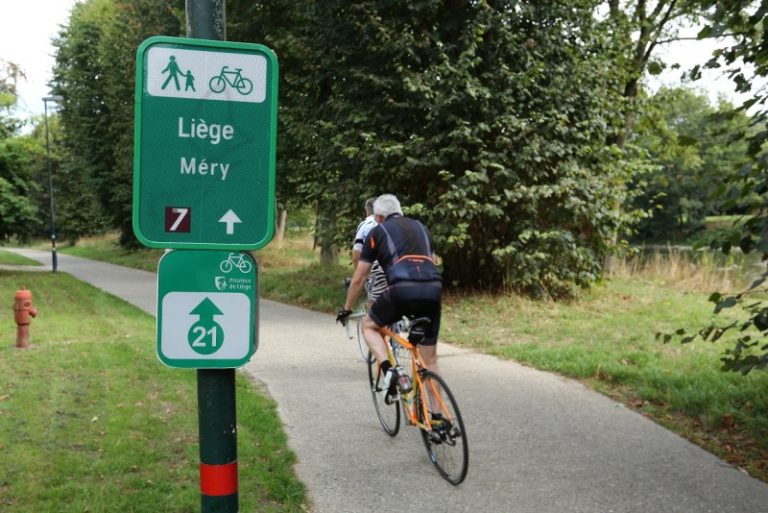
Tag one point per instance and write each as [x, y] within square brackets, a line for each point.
[347, 324]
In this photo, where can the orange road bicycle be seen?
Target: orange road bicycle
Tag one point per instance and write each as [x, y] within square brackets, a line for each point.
[428, 405]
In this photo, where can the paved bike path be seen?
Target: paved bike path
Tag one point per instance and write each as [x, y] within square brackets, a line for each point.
[538, 442]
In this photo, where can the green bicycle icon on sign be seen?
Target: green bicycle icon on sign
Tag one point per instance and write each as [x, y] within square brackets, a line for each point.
[233, 78]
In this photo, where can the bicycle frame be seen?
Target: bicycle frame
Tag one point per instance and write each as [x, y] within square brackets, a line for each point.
[236, 73]
[417, 368]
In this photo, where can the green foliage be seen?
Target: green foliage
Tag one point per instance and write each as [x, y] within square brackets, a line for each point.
[10, 74]
[94, 71]
[489, 121]
[19, 217]
[690, 143]
[744, 56]
[76, 211]
[502, 125]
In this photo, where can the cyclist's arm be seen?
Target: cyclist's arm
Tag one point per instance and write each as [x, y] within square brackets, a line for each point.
[357, 284]
[357, 246]
[355, 258]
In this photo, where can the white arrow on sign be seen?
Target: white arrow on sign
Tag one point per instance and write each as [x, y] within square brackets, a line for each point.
[230, 218]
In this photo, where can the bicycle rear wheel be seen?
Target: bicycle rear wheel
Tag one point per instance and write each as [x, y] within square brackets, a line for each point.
[388, 412]
[446, 440]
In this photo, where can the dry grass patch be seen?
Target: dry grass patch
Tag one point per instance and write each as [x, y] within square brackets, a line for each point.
[687, 270]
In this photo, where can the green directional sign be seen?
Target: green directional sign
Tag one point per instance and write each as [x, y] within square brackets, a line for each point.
[207, 303]
[205, 142]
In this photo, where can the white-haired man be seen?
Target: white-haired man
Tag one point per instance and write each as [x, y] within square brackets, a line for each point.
[404, 248]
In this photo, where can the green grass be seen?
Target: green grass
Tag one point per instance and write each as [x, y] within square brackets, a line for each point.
[605, 338]
[315, 286]
[106, 249]
[8, 258]
[715, 221]
[90, 420]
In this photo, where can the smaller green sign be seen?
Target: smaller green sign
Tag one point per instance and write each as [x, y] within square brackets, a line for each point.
[207, 306]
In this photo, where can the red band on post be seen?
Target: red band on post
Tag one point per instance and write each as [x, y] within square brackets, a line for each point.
[218, 480]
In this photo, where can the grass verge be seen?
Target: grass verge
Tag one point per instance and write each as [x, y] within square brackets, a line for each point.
[91, 421]
[605, 338]
[8, 258]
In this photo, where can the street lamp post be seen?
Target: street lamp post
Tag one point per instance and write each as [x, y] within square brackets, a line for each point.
[46, 99]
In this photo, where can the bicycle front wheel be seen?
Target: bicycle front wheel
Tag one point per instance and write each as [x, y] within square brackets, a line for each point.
[445, 438]
[387, 409]
[361, 345]
[217, 84]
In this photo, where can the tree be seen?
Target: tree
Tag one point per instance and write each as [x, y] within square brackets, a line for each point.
[78, 76]
[284, 26]
[642, 26]
[77, 212]
[488, 119]
[10, 74]
[94, 71]
[18, 215]
[745, 59]
[689, 141]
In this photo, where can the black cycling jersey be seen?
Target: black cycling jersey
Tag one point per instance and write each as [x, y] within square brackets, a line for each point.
[404, 248]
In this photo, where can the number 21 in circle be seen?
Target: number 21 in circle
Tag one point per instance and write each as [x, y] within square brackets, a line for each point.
[178, 219]
[205, 337]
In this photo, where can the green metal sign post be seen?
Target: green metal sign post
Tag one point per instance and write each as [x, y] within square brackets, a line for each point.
[204, 149]
[204, 179]
[207, 311]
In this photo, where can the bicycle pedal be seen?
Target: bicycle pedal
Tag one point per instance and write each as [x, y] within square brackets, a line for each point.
[391, 399]
[435, 438]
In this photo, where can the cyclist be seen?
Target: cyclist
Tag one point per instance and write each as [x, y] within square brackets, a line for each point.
[377, 280]
[404, 248]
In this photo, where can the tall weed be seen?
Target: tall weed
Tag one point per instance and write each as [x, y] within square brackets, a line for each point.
[687, 270]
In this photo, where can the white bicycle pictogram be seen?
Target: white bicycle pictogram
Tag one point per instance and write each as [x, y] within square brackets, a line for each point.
[236, 260]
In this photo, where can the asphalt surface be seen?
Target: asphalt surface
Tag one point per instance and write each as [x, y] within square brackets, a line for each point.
[538, 442]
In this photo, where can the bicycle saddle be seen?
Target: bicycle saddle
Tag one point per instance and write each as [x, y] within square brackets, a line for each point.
[419, 330]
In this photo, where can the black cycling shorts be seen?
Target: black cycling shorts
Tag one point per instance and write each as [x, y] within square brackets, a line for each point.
[411, 298]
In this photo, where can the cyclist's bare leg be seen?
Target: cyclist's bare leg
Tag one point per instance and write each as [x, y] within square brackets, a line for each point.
[372, 335]
[429, 355]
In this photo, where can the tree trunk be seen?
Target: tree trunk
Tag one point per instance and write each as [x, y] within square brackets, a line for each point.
[324, 231]
[329, 255]
[280, 227]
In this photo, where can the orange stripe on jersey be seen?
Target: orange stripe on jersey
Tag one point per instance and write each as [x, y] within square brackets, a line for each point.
[416, 258]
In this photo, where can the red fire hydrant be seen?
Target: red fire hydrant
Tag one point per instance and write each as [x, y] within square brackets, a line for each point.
[23, 311]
